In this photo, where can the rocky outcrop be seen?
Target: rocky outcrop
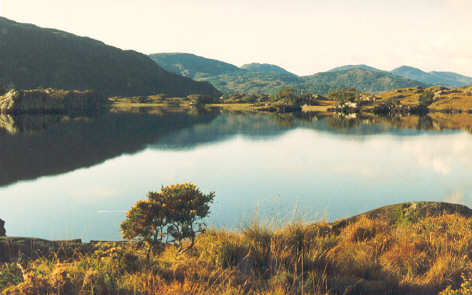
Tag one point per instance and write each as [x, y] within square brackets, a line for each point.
[42, 101]
[2, 228]
[411, 211]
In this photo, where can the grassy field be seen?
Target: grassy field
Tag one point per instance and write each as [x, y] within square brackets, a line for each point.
[412, 248]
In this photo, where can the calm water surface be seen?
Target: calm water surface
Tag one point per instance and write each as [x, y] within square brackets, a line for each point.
[67, 178]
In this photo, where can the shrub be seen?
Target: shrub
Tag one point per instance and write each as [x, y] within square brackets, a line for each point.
[426, 98]
[169, 216]
[2, 228]
[465, 288]
[344, 95]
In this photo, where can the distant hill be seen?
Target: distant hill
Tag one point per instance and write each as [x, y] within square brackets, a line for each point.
[257, 78]
[448, 79]
[265, 68]
[253, 82]
[191, 65]
[34, 57]
[350, 67]
[361, 79]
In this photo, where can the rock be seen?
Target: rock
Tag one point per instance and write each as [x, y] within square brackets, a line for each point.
[3, 232]
[409, 211]
[50, 101]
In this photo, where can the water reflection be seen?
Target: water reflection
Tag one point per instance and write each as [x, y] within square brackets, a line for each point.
[99, 166]
[35, 146]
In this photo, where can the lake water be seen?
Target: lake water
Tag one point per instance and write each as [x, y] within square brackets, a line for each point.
[75, 177]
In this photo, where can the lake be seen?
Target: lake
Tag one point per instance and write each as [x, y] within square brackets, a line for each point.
[75, 177]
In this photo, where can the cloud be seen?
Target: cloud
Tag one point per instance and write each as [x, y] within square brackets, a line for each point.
[441, 153]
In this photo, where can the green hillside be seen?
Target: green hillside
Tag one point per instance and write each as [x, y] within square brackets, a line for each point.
[361, 79]
[191, 65]
[268, 79]
[34, 57]
[448, 79]
[265, 68]
[350, 67]
[253, 82]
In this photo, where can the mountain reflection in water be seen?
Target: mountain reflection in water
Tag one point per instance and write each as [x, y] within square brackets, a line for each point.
[98, 166]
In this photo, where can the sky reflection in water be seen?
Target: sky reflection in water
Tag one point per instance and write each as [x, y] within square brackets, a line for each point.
[313, 172]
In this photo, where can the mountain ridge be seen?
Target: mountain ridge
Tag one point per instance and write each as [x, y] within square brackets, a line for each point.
[34, 57]
[255, 78]
[448, 79]
[265, 68]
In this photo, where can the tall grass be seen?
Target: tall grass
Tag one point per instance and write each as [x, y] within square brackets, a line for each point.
[365, 256]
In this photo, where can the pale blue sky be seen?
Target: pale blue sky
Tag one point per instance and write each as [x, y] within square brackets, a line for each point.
[301, 35]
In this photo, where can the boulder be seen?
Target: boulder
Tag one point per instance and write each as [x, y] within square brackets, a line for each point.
[50, 101]
[3, 232]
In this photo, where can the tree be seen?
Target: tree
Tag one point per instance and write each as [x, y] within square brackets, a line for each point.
[168, 217]
[286, 93]
[344, 95]
[426, 98]
[2, 228]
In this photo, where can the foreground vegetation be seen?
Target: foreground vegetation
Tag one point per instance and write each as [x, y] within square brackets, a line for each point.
[413, 248]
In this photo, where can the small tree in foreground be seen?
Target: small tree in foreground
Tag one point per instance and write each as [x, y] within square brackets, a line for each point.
[3, 232]
[168, 217]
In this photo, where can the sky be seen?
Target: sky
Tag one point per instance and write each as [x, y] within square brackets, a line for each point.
[303, 36]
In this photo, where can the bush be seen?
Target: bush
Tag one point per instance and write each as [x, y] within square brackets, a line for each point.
[344, 95]
[3, 232]
[168, 217]
[465, 288]
[426, 98]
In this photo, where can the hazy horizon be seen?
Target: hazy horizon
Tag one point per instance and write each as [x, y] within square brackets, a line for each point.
[303, 36]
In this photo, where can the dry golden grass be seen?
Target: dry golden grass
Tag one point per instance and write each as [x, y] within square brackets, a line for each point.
[453, 102]
[403, 254]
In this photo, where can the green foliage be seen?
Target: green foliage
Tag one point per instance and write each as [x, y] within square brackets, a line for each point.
[10, 275]
[292, 97]
[3, 232]
[287, 94]
[388, 106]
[426, 98]
[464, 289]
[169, 216]
[344, 95]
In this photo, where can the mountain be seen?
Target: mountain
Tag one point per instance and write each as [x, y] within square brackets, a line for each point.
[191, 65]
[257, 78]
[361, 79]
[226, 77]
[253, 82]
[350, 67]
[265, 68]
[34, 57]
[448, 79]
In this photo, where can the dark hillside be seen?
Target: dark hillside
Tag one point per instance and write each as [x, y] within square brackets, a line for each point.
[33, 57]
